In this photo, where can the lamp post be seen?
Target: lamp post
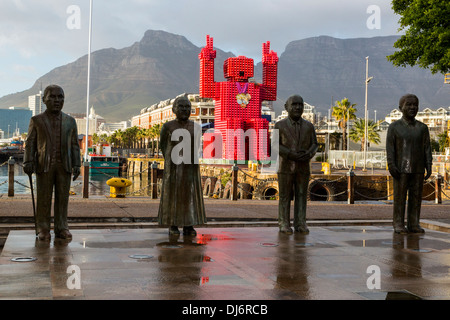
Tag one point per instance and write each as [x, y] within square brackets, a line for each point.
[85, 162]
[366, 129]
[347, 130]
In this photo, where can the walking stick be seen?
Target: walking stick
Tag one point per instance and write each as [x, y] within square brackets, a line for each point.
[32, 198]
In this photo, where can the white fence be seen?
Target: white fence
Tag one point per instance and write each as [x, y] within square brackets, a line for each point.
[441, 163]
[340, 159]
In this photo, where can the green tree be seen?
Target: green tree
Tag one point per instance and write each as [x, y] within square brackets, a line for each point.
[118, 137]
[131, 136]
[95, 138]
[145, 136]
[156, 132]
[358, 130]
[426, 41]
[444, 141]
[343, 111]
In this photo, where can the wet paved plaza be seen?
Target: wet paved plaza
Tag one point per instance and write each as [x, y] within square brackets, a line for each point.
[255, 263]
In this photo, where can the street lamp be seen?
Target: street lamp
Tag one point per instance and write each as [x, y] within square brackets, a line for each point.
[85, 162]
[347, 129]
[366, 129]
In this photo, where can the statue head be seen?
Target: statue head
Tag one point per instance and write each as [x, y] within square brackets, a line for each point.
[294, 106]
[238, 69]
[409, 106]
[53, 98]
[182, 108]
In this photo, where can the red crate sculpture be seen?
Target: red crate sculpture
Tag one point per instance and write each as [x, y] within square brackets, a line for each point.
[237, 115]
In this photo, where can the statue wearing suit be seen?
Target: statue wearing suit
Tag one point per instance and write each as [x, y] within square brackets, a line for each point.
[297, 145]
[53, 153]
[408, 151]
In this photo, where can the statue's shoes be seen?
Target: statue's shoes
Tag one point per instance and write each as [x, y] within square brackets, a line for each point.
[189, 231]
[286, 230]
[65, 234]
[416, 229]
[302, 229]
[44, 235]
[400, 230]
[173, 231]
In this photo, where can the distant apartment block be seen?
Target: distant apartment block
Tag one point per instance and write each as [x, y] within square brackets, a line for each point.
[109, 128]
[309, 113]
[202, 112]
[437, 120]
[94, 121]
[35, 104]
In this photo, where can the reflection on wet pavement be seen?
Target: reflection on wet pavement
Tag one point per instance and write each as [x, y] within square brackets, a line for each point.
[229, 264]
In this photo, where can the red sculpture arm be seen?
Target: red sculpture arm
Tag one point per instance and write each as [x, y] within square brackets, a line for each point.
[270, 69]
[207, 56]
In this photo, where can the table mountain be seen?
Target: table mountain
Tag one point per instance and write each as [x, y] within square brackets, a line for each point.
[162, 65]
[325, 69]
[123, 81]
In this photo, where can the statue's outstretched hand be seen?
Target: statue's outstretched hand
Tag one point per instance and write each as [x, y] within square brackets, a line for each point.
[269, 56]
[208, 52]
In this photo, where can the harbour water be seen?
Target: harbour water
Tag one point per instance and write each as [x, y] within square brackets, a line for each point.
[97, 183]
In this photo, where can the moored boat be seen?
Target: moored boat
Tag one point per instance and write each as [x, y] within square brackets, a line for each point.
[102, 161]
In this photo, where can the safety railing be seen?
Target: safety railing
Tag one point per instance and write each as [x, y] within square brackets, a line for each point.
[227, 185]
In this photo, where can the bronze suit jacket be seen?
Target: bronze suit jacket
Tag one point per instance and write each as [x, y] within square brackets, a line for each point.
[408, 146]
[40, 140]
[306, 140]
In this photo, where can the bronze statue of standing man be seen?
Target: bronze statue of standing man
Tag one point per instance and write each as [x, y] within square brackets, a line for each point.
[53, 153]
[297, 145]
[408, 151]
[181, 201]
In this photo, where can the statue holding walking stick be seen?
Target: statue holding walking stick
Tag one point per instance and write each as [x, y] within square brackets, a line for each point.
[53, 153]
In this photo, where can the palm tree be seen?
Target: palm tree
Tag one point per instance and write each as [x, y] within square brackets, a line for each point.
[119, 136]
[344, 111]
[139, 137]
[146, 136]
[130, 136]
[156, 131]
[444, 141]
[95, 139]
[358, 130]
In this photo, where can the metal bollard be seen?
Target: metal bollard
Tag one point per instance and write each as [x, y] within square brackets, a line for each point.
[154, 179]
[11, 163]
[438, 189]
[85, 179]
[234, 182]
[350, 186]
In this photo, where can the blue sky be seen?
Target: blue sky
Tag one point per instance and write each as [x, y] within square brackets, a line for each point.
[38, 35]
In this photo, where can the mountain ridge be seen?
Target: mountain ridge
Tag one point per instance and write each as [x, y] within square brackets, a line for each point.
[162, 65]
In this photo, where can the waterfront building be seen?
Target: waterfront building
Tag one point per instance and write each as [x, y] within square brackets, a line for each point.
[309, 113]
[94, 122]
[109, 128]
[437, 120]
[158, 113]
